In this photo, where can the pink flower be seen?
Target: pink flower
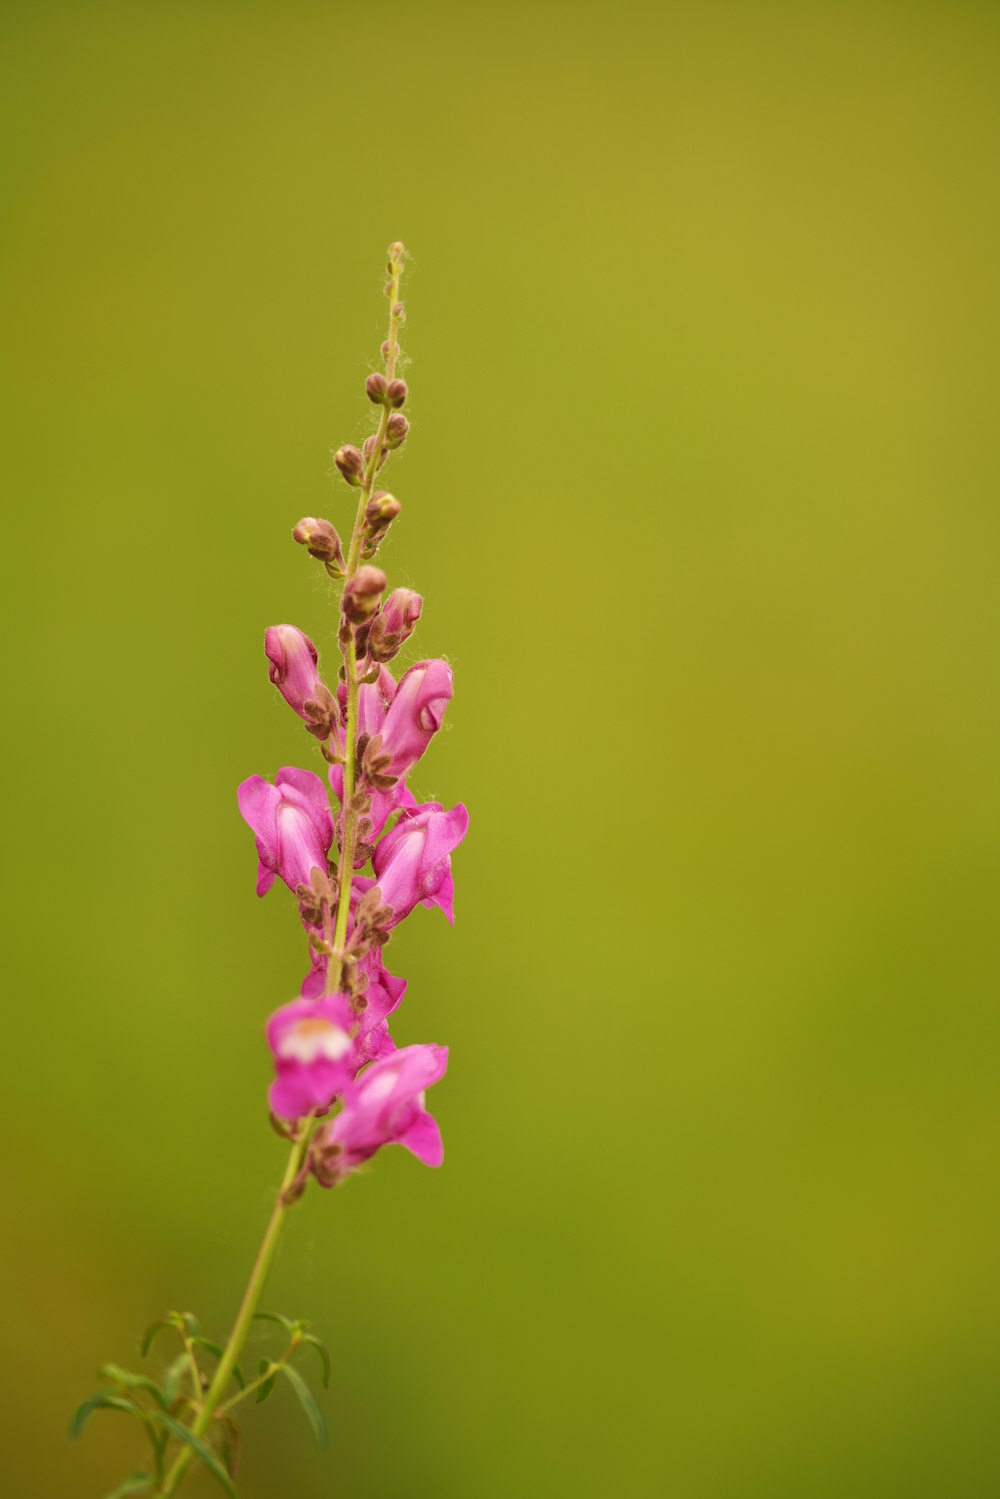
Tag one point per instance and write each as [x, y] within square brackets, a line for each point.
[404, 719]
[382, 997]
[373, 702]
[294, 672]
[413, 861]
[292, 823]
[312, 1049]
[416, 713]
[384, 1107]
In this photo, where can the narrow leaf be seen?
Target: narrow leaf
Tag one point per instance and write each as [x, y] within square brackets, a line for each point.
[103, 1400]
[324, 1354]
[203, 1342]
[135, 1483]
[231, 1445]
[285, 1322]
[198, 1447]
[133, 1382]
[191, 1324]
[173, 1379]
[265, 1389]
[308, 1403]
[150, 1333]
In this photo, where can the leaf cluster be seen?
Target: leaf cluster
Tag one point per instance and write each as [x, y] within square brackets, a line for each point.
[164, 1408]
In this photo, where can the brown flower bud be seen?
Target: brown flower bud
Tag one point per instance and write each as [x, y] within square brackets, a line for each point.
[350, 463]
[395, 433]
[362, 593]
[382, 509]
[385, 349]
[320, 538]
[375, 386]
[399, 312]
[396, 393]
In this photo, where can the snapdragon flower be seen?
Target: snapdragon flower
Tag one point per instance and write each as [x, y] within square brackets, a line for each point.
[396, 723]
[292, 823]
[413, 861]
[313, 1050]
[386, 1106]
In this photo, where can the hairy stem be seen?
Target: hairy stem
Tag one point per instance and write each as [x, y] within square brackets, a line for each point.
[346, 869]
[248, 1306]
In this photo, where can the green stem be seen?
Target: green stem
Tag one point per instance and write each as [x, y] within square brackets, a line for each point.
[193, 1361]
[248, 1306]
[254, 1385]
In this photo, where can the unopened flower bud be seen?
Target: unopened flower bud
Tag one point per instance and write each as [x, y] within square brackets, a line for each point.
[394, 624]
[395, 434]
[386, 346]
[375, 386]
[320, 538]
[399, 312]
[382, 510]
[362, 593]
[402, 610]
[396, 393]
[350, 463]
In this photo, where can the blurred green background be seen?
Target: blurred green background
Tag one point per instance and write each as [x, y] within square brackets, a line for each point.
[702, 495]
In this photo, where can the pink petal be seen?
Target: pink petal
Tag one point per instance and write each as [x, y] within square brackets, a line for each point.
[423, 1138]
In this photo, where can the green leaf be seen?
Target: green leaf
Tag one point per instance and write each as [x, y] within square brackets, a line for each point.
[285, 1322]
[191, 1324]
[133, 1382]
[203, 1342]
[103, 1400]
[231, 1445]
[148, 1336]
[324, 1353]
[216, 1350]
[308, 1403]
[135, 1483]
[198, 1447]
[269, 1384]
[173, 1378]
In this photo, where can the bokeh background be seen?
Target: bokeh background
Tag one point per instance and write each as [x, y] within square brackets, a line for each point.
[702, 495]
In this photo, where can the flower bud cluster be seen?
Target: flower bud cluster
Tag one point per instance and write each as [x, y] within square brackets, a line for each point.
[383, 392]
